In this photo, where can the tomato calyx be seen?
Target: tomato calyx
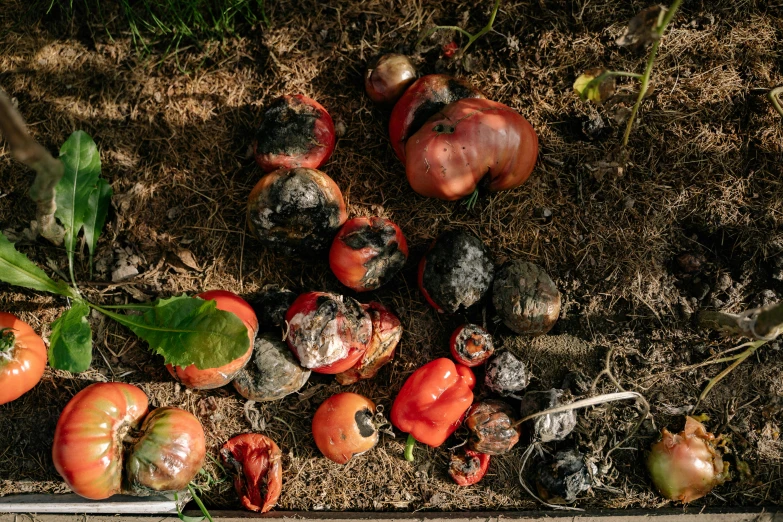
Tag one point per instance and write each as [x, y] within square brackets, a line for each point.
[7, 342]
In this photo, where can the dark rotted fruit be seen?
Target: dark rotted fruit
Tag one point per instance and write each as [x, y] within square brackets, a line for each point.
[296, 210]
[328, 333]
[296, 131]
[506, 374]
[273, 372]
[393, 73]
[344, 426]
[561, 480]
[456, 272]
[491, 427]
[552, 426]
[469, 468]
[271, 304]
[526, 298]
[256, 461]
[423, 99]
[471, 345]
[367, 252]
[386, 334]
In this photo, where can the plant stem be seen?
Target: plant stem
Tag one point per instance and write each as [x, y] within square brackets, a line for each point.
[471, 37]
[715, 380]
[409, 445]
[199, 503]
[773, 97]
[759, 323]
[648, 70]
[48, 170]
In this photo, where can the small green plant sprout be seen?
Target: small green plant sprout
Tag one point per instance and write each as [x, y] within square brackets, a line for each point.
[184, 330]
[774, 98]
[471, 37]
[598, 85]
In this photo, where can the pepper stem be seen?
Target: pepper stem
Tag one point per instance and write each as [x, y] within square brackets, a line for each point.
[409, 445]
[7, 339]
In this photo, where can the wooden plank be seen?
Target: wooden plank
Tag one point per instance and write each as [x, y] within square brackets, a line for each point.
[72, 503]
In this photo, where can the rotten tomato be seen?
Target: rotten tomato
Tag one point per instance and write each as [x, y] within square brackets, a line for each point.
[386, 334]
[344, 425]
[466, 140]
[422, 100]
[526, 298]
[210, 378]
[257, 463]
[296, 210]
[491, 426]
[367, 252]
[295, 131]
[89, 449]
[328, 333]
[22, 358]
[272, 374]
[561, 479]
[471, 345]
[468, 468]
[506, 374]
[456, 272]
[392, 74]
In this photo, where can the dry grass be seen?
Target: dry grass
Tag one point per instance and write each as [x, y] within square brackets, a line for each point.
[704, 177]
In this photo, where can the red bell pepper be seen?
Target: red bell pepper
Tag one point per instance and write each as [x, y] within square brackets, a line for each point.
[432, 403]
[469, 468]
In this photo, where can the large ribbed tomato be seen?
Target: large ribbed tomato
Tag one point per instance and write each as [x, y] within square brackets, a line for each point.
[421, 101]
[22, 358]
[209, 378]
[88, 449]
[466, 140]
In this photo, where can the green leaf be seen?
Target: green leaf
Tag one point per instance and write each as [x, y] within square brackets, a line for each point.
[82, 197]
[188, 330]
[17, 269]
[70, 344]
[98, 208]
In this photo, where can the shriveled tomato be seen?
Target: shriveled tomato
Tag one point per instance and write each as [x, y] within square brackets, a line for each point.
[469, 468]
[423, 99]
[328, 333]
[88, 449]
[296, 131]
[296, 210]
[466, 140]
[367, 252]
[257, 462]
[471, 345]
[386, 334]
[22, 358]
[343, 426]
[209, 378]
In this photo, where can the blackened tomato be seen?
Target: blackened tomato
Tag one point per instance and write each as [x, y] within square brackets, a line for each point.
[343, 426]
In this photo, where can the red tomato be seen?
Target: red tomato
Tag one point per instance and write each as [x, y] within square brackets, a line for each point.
[469, 468]
[343, 426]
[22, 358]
[469, 138]
[296, 131]
[209, 378]
[328, 333]
[428, 95]
[367, 252]
[87, 449]
[471, 345]
[386, 334]
[450, 49]
[256, 459]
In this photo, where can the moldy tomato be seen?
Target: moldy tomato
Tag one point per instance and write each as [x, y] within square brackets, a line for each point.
[448, 156]
[491, 427]
[296, 210]
[296, 131]
[88, 448]
[256, 460]
[343, 426]
[526, 298]
[328, 333]
[272, 374]
[367, 252]
[428, 95]
[456, 272]
[471, 345]
[469, 468]
[22, 358]
[389, 79]
[386, 334]
[210, 378]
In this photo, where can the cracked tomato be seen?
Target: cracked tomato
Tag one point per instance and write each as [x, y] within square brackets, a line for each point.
[470, 138]
[256, 462]
[22, 358]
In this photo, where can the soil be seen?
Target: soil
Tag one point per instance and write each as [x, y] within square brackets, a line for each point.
[702, 178]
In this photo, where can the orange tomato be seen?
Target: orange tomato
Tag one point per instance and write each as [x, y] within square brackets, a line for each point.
[22, 358]
[343, 426]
